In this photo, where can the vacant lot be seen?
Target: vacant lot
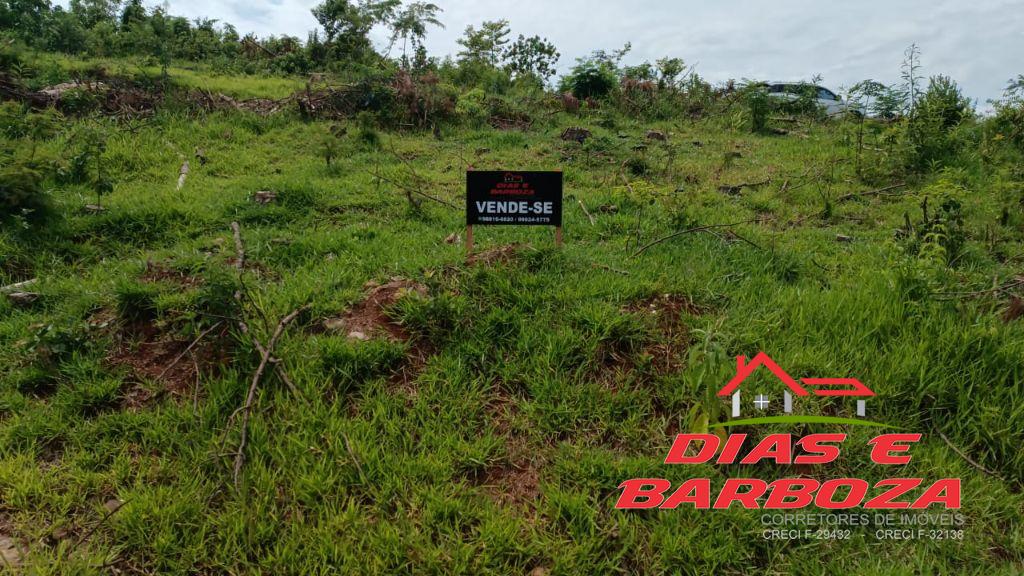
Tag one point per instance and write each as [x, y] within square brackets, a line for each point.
[424, 412]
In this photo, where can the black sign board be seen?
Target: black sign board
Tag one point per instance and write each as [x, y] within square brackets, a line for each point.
[514, 198]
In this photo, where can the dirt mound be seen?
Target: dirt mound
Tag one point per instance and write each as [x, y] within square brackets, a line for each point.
[666, 309]
[368, 318]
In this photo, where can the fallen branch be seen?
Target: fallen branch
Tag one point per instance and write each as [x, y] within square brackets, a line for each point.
[610, 269]
[187, 350]
[879, 192]
[102, 521]
[585, 211]
[688, 231]
[250, 398]
[737, 188]
[182, 174]
[17, 286]
[352, 455]
[1006, 287]
[967, 458]
[236, 230]
[408, 190]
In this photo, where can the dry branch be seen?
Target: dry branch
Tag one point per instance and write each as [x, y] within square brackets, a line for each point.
[879, 192]
[707, 228]
[17, 286]
[236, 231]
[187, 350]
[409, 191]
[250, 398]
[182, 174]
[967, 458]
[585, 211]
[737, 188]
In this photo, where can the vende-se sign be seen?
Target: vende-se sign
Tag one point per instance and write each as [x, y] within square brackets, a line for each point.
[514, 198]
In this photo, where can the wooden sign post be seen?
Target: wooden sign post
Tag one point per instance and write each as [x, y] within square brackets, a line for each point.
[513, 198]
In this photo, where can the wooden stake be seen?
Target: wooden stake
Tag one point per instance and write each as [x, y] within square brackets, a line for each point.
[558, 236]
[469, 239]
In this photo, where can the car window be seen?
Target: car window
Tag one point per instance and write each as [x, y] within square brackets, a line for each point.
[824, 94]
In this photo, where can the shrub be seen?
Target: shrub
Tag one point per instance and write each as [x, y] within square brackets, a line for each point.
[1009, 117]
[367, 134]
[22, 193]
[931, 125]
[590, 79]
[944, 102]
[759, 105]
[472, 107]
[939, 236]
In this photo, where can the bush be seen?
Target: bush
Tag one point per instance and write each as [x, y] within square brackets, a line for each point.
[930, 128]
[1009, 117]
[22, 193]
[472, 107]
[590, 79]
[939, 236]
[945, 103]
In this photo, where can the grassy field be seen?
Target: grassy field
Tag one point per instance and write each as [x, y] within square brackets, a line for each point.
[49, 68]
[483, 425]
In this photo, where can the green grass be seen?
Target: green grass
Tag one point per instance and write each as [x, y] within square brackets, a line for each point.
[46, 69]
[541, 386]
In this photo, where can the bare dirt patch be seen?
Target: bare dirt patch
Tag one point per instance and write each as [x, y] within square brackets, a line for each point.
[153, 352]
[11, 553]
[515, 479]
[157, 272]
[368, 318]
[666, 311]
[492, 256]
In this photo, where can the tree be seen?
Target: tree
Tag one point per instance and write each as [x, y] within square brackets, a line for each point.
[485, 45]
[134, 13]
[533, 55]
[347, 25]
[945, 102]
[669, 70]
[92, 12]
[24, 17]
[411, 26]
[64, 33]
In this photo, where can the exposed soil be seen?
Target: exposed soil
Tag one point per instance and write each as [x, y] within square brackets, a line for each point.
[149, 351]
[492, 256]
[514, 480]
[368, 318]
[673, 338]
[160, 272]
[1014, 310]
[512, 483]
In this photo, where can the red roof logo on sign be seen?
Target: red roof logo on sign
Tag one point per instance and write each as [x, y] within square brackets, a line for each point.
[819, 386]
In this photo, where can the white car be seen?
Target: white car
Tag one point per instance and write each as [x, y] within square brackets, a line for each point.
[827, 99]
